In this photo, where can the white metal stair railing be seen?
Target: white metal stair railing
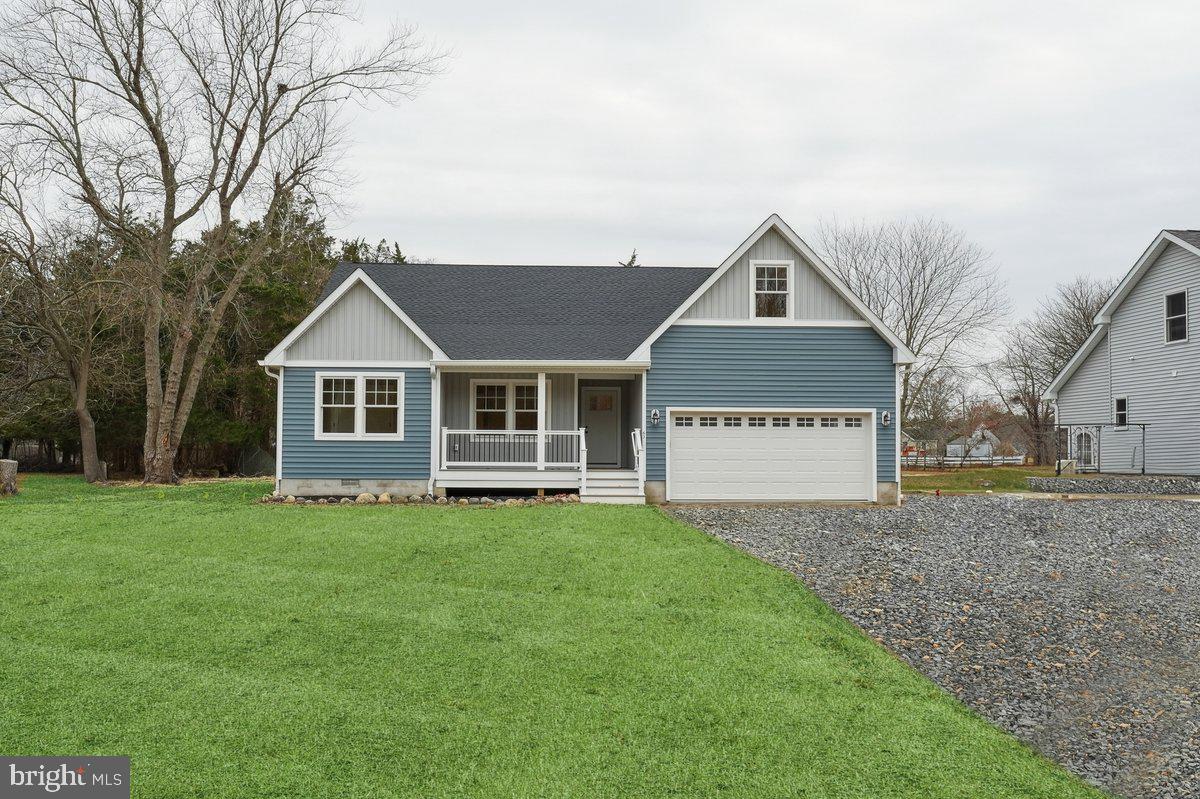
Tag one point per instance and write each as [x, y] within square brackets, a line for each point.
[639, 457]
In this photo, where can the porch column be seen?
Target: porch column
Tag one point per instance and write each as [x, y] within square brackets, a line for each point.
[541, 421]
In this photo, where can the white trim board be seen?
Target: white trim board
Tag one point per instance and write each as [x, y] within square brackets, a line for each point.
[901, 353]
[873, 482]
[768, 322]
[540, 366]
[355, 364]
[276, 357]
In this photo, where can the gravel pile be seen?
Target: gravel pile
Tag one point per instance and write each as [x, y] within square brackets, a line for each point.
[1115, 485]
[1074, 625]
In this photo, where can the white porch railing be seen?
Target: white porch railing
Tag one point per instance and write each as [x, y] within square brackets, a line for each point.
[639, 455]
[513, 449]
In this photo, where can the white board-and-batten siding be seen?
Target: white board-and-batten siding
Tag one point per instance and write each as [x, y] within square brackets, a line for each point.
[1160, 380]
[359, 327]
[731, 296]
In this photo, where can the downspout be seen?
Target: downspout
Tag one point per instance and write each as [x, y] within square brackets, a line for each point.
[278, 378]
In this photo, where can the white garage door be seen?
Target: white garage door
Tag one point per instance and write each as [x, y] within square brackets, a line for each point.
[779, 457]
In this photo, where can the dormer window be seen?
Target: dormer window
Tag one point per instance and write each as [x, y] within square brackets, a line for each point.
[1177, 316]
[772, 289]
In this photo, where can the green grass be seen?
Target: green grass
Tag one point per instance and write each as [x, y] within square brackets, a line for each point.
[971, 479]
[238, 650]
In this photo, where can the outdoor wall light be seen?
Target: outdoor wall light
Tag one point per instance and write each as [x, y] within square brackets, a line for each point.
[655, 416]
[886, 418]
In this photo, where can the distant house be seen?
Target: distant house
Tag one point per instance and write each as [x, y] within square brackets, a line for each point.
[1139, 367]
[762, 378]
[983, 443]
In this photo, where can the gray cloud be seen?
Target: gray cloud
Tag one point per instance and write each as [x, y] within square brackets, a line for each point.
[1058, 136]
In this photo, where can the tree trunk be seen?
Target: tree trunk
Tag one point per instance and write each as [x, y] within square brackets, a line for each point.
[87, 444]
[160, 463]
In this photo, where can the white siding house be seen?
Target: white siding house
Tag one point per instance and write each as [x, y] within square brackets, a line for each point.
[1141, 366]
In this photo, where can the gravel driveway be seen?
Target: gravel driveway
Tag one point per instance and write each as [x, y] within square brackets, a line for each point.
[1075, 625]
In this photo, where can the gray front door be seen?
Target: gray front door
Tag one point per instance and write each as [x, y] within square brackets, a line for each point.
[602, 418]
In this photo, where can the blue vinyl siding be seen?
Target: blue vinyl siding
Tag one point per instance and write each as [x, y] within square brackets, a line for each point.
[843, 367]
[304, 456]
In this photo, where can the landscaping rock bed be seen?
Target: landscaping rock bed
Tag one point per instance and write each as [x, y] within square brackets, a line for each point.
[1075, 625]
[1148, 484]
[423, 499]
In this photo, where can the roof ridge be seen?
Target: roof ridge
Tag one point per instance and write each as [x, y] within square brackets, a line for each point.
[525, 266]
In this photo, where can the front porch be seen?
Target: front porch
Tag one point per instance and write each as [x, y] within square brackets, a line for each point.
[546, 430]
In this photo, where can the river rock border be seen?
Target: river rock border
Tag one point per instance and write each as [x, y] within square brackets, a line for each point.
[425, 499]
[1115, 485]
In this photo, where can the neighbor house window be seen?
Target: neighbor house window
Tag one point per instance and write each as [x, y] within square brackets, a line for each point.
[505, 405]
[1177, 316]
[364, 406]
[1121, 411]
[772, 286]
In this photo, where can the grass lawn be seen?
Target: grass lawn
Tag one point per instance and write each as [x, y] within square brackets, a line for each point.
[970, 479]
[239, 650]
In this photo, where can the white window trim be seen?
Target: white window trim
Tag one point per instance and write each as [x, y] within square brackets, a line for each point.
[1187, 308]
[510, 402]
[1117, 425]
[791, 290]
[360, 412]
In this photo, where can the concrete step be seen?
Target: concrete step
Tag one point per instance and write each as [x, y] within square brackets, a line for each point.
[613, 499]
[630, 484]
[611, 490]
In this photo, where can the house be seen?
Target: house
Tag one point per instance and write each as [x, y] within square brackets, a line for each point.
[983, 443]
[1127, 398]
[761, 379]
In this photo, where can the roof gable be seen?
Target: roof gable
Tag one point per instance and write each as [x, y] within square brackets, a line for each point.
[1187, 239]
[732, 296]
[329, 298]
[902, 354]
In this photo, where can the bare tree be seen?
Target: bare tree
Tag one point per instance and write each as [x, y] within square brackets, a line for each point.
[1038, 349]
[162, 117]
[939, 292]
[633, 261]
[57, 305]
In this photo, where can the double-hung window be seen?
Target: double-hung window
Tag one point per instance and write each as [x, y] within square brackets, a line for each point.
[360, 407]
[1121, 411]
[772, 286]
[506, 404]
[1177, 311]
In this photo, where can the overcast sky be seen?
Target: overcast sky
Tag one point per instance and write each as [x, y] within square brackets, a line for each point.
[1061, 137]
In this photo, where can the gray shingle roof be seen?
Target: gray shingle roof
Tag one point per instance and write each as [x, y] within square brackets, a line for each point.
[1190, 236]
[479, 312]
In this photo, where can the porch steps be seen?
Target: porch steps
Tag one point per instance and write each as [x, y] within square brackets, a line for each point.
[613, 486]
